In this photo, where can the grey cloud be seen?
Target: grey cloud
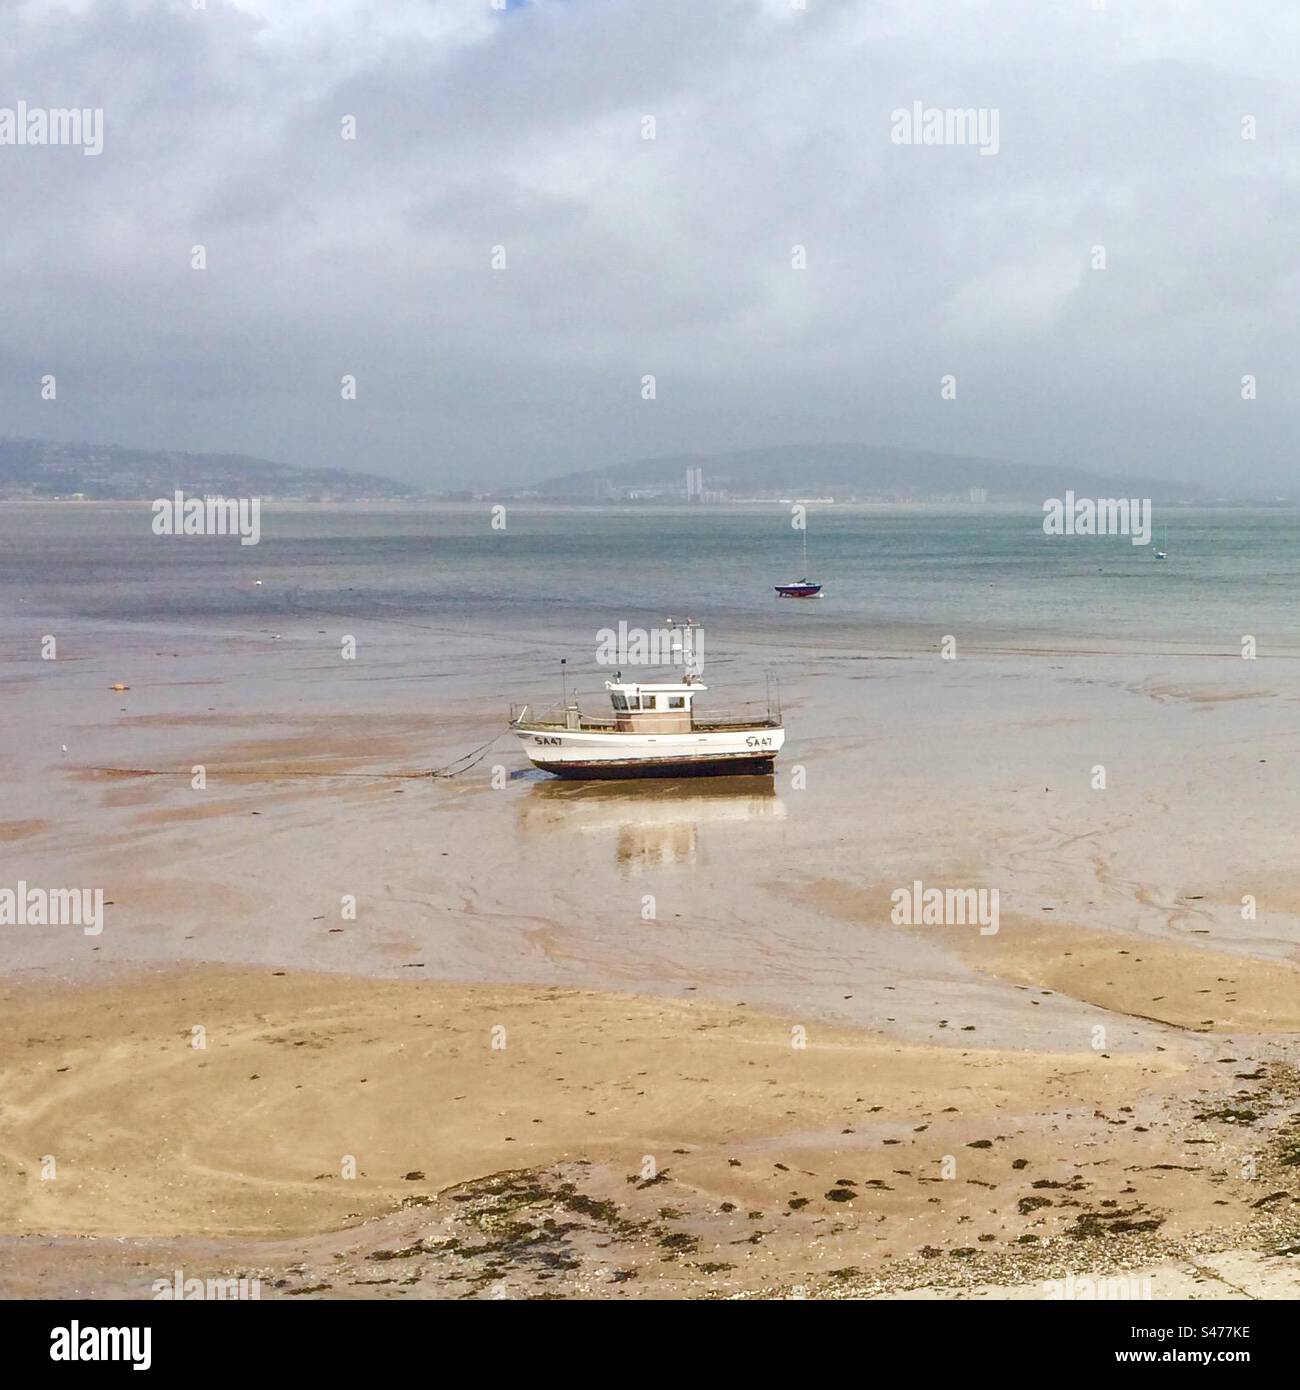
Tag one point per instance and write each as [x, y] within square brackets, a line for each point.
[670, 256]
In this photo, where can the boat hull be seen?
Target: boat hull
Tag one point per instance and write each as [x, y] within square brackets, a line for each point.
[697, 753]
[733, 766]
[798, 590]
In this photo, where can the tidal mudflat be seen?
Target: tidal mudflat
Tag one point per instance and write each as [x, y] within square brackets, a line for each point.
[495, 1072]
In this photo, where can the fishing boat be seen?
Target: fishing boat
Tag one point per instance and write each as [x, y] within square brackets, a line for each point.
[802, 588]
[651, 729]
[1163, 553]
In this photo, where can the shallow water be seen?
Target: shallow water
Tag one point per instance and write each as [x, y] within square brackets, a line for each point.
[898, 765]
[562, 570]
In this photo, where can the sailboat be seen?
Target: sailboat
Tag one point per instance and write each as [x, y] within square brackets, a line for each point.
[803, 588]
[1163, 552]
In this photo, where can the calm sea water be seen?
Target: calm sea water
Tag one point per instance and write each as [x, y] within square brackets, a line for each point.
[1229, 572]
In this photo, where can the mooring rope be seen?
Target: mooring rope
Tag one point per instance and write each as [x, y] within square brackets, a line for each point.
[289, 774]
[478, 754]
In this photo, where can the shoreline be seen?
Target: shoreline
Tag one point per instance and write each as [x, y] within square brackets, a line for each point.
[720, 1159]
[505, 898]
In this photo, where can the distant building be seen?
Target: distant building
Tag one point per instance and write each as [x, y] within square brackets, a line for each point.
[979, 495]
[694, 483]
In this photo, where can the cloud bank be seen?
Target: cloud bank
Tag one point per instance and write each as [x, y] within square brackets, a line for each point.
[500, 256]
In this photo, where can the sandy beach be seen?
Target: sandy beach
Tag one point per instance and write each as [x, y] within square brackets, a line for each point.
[498, 1076]
[332, 1135]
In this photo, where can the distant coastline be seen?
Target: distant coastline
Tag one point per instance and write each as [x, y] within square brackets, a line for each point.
[828, 475]
[45, 470]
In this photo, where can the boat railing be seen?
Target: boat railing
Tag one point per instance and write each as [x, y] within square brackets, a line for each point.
[755, 717]
[560, 717]
[757, 714]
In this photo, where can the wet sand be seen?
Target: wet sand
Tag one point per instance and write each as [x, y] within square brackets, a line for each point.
[650, 951]
[682, 1147]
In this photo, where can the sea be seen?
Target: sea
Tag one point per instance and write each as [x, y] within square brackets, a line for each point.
[1097, 751]
[555, 574]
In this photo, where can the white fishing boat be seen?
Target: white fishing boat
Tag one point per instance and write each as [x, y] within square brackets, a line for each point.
[1163, 552]
[652, 729]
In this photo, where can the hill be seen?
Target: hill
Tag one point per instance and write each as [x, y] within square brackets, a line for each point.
[40, 468]
[857, 471]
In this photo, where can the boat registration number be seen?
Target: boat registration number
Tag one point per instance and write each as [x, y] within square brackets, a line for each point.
[753, 741]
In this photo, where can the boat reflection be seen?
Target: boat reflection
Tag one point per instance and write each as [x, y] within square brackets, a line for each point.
[652, 824]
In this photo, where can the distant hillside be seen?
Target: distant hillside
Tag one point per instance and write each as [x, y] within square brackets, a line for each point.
[38, 468]
[846, 471]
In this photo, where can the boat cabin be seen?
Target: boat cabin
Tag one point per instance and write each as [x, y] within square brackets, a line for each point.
[659, 708]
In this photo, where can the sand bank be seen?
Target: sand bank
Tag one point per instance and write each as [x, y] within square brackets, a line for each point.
[714, 1150]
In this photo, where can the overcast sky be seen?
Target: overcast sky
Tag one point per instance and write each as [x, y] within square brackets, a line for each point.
[477, 128]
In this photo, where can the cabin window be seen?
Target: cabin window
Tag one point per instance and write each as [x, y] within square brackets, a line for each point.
[677, 702]
[620, 703]
[647, 702]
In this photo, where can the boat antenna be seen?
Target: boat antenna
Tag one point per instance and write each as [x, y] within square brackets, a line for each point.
[564, 684]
